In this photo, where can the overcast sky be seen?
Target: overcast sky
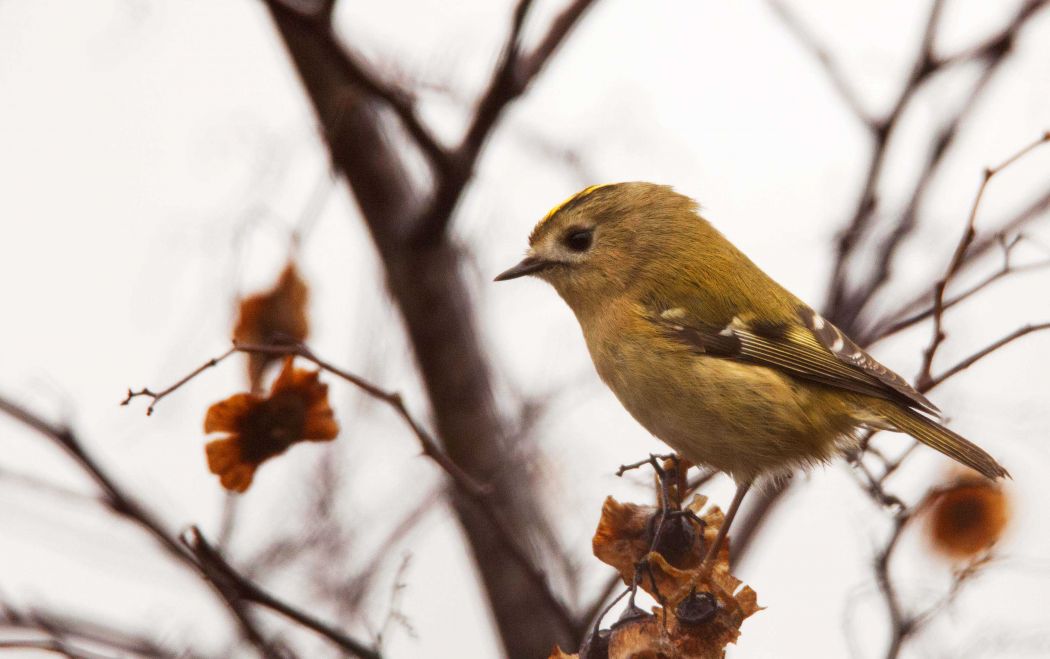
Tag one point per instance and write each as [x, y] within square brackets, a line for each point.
[156, 155]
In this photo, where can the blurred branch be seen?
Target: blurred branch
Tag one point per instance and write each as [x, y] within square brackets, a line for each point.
[886, 250]
[827, 63]
[514, 72]
[839, 308]
[35, 483]
[220, 572]
[401, 101]
[901, 624]
[424, 274]
[349, 592]
[60, 630]
[965, 241]
[479, 493]
[125, 506]
[979, 248]
[845, 301]
[984, 352]
[52, 645]
[894, 325]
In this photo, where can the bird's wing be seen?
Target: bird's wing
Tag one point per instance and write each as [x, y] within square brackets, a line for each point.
[810, 349]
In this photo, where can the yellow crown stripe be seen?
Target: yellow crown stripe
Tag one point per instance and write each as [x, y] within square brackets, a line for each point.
[554, 211]
[579, 195]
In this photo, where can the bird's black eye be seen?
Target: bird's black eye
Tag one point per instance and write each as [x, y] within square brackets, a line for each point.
[579, 240]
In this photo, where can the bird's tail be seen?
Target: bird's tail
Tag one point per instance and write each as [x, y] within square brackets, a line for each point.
[934, 435]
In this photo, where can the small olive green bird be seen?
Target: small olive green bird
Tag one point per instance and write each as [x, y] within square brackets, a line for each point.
[707, 352]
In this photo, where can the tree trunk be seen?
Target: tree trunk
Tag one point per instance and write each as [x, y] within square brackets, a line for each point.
[427, 282]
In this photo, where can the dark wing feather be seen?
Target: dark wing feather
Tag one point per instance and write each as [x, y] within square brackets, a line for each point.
[850, 353]
[814, 350]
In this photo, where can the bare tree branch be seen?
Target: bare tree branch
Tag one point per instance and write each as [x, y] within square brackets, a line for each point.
[979, 248]
[426, 280]
[838, 307]
[844, 303]
[479, 493]
[61, 629]
[1008, 268]
[956, 261]
[125, 506]
[514, 72]
[400, 100]
[845, 300]
[217, 570]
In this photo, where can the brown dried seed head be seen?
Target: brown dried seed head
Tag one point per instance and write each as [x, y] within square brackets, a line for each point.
[968, 517]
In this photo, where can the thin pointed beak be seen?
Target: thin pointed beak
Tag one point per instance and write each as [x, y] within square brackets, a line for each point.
[528, 266]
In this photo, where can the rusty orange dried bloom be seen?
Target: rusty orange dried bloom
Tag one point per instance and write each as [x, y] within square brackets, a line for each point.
[968, 517]
[703, 606]
[276, 315]
[261, 427]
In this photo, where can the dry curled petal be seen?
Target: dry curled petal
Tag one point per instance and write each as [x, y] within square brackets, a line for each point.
[625, 534]
[261, 427]
[968, 517]
[274, 316]
[703, 606]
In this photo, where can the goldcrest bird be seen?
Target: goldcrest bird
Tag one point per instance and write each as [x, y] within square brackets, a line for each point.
[707, 352]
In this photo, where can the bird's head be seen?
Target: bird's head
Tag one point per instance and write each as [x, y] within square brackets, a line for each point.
[606, 238]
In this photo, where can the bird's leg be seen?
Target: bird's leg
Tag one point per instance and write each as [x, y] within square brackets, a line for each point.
[741, 490]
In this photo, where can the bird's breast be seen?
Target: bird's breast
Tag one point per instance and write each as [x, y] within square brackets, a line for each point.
[740, 418]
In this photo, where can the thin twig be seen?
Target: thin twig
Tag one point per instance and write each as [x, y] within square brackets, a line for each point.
[476, 492]
[827, 63]
[901, 624]
[966, 363]
[897, 326]
[221, 572]
[125, 506]
[839, 307]
[155, 397]
[979, 248]
[513, 74]
[961, 247]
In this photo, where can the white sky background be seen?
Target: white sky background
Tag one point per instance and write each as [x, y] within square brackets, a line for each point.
[155, 155]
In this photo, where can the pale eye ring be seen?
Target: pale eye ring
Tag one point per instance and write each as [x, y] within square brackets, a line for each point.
[579, 240]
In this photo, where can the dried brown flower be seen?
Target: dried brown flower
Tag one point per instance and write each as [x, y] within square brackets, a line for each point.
[968, 517]
[274, 316]
[703, 606]
[261, 427]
